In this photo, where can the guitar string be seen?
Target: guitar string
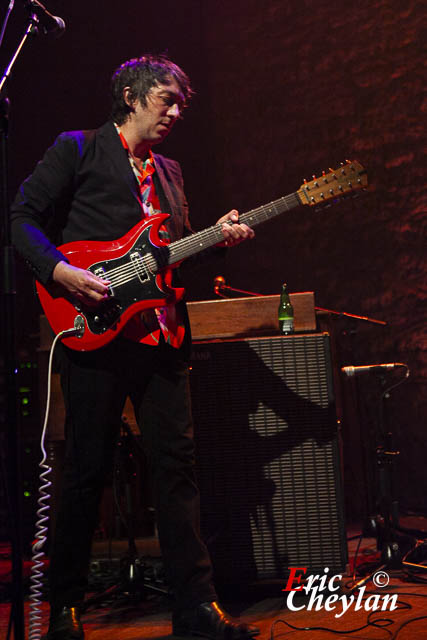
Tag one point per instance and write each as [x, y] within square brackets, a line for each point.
[146, 257]
[125, 273]
[180, 249]
[128, 272]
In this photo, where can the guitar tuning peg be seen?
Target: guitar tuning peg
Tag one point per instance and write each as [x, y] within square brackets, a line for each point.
[305, 180]
[323, 173]
[314, 176]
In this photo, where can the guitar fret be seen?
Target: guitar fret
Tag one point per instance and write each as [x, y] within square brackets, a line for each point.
[190, 245]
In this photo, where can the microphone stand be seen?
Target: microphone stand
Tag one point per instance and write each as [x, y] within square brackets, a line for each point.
[219, 287]
[132, 581]
[385, 524]
[10, 427]
[344, 314]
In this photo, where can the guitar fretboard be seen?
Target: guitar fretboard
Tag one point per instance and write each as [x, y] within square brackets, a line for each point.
[197, 242]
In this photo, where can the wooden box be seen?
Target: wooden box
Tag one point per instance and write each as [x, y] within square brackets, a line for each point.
[254, 316]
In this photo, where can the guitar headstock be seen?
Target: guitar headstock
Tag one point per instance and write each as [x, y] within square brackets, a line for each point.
[350, 176]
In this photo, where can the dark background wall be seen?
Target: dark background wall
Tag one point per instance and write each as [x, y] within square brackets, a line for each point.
[284, 90]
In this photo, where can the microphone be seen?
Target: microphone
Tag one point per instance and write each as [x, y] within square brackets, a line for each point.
[219, 283]
[49, 23]
[219, 286]
[374, 368]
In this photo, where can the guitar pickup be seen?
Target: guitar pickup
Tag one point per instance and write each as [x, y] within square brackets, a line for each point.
[138, 264]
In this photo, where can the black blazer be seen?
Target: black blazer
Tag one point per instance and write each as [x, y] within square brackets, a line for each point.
[84, 189]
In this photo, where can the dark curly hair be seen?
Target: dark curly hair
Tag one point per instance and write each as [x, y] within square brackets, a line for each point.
[141, 74]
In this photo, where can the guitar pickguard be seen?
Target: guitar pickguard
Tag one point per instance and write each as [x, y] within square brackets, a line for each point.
[132, 279]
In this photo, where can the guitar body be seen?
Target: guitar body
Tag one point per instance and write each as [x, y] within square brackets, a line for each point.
[136, 266]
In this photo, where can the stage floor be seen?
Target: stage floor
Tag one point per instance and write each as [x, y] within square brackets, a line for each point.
[122, 619]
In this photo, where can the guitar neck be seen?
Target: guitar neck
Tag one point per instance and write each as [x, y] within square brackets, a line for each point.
[197, 242]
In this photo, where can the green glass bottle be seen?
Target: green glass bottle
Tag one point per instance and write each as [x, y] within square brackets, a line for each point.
[286, 312]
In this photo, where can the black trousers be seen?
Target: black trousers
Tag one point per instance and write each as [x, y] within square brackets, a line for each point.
[95, 386]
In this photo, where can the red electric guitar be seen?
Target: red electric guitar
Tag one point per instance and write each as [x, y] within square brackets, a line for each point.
[139, 265]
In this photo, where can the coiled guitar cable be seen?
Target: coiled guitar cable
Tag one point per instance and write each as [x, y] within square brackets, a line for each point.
[36, 585]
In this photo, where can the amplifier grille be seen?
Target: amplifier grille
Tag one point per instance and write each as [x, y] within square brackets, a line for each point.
[267, 456]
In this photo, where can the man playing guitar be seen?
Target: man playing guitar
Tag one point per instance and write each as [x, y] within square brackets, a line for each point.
[96, 186]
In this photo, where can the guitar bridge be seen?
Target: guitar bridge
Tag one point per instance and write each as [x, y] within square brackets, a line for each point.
[100, 272]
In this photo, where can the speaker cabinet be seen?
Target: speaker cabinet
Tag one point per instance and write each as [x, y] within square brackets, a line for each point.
[268, 457]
